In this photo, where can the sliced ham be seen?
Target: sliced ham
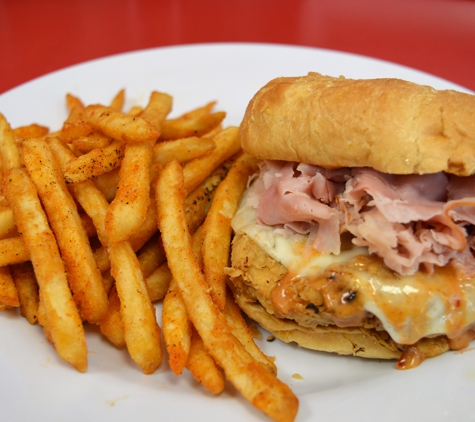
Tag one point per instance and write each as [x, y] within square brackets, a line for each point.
[410, 221]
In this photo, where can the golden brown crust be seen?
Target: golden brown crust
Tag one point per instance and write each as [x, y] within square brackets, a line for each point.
[391, 125]
[254, 273]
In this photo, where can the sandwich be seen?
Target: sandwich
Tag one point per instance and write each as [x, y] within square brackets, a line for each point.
[357, 235]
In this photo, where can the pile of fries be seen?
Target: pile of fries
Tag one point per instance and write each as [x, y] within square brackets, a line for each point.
[120, 209]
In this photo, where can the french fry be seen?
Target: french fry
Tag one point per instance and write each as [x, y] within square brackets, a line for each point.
[9, 152]
[72, 101]
[74, 129]
[117, 102]
[241, 331]
[128, 210]
[202, 366]
[158, 107]
[27, 288]
[64, 324]
[84, 277]
[217, 229]
[94, 163]
[30, 131]
[256, 384]
[176, 329]
[158, 282]
[190, 126]
[112, 327]
[135, 110]
[107, 183]
[86, 144]
[8, 292]
[227, 145]
[183, 150]
[141, 331]
[151, 255]
[119, 126]
[7, 222]
[86, 193]
[13, 250]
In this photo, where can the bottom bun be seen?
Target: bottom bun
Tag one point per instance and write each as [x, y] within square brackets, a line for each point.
[357, 341]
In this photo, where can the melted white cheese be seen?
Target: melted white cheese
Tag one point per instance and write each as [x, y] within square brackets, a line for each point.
[409, 309]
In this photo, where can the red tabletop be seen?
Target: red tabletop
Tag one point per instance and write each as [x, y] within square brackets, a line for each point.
[39, 36]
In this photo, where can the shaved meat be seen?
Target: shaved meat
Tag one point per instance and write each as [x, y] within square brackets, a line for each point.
[410, 221]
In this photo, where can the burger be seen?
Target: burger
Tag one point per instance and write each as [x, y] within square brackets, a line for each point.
[357, 235]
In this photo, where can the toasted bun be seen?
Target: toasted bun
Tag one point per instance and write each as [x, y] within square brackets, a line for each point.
[249, 263]
[391, 125]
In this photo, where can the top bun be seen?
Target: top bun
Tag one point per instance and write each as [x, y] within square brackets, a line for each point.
[392, 125]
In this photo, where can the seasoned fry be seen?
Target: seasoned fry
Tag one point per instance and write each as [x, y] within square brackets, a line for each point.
[13, 251]
[73, 101]
[158, 107]
[84, 277]
[255, 383]
[128, 210]
[183, 150]
[30, 131]
[118, 101]
[27, 288]
[8, 292]
[63, 321]
[9, 152]
[86, 193]
[158, 282]
[119, 126]
[94, 163]
[183, 127]
[176, 329]
[107, 183]
[112, 327]
[217, 229]
[7, 222]
[74, 129]
[151, 255]
[86, 144]
[202, 366]
[227, 144]
[141, 331]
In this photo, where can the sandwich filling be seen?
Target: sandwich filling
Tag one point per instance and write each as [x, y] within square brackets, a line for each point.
[364, 248]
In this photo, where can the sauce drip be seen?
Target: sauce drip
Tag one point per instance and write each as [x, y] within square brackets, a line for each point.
[410, 358]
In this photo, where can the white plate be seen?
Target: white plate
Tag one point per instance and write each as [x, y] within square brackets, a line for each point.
[36, 385]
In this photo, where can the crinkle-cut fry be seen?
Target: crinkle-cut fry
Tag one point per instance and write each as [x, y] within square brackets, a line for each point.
[84, 277]
[217, 229]
[112, 327]
[203, 367]
[176, 329]
[141, 330]
[119, 126]
[227, 145]
[9, 152]
[8, 292]
[94, 163]
[241, 331]
[183, 149]
[86, 193]
[118, 101]
[151, 255]
[158, 107]
[158, 282]
[62, 317]
[73, 101]
[191, 126]
[256, 384]
[107, 183]
[128, 210]
[30, 131]
[27, 288]
[86, 144]
[13, 250]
